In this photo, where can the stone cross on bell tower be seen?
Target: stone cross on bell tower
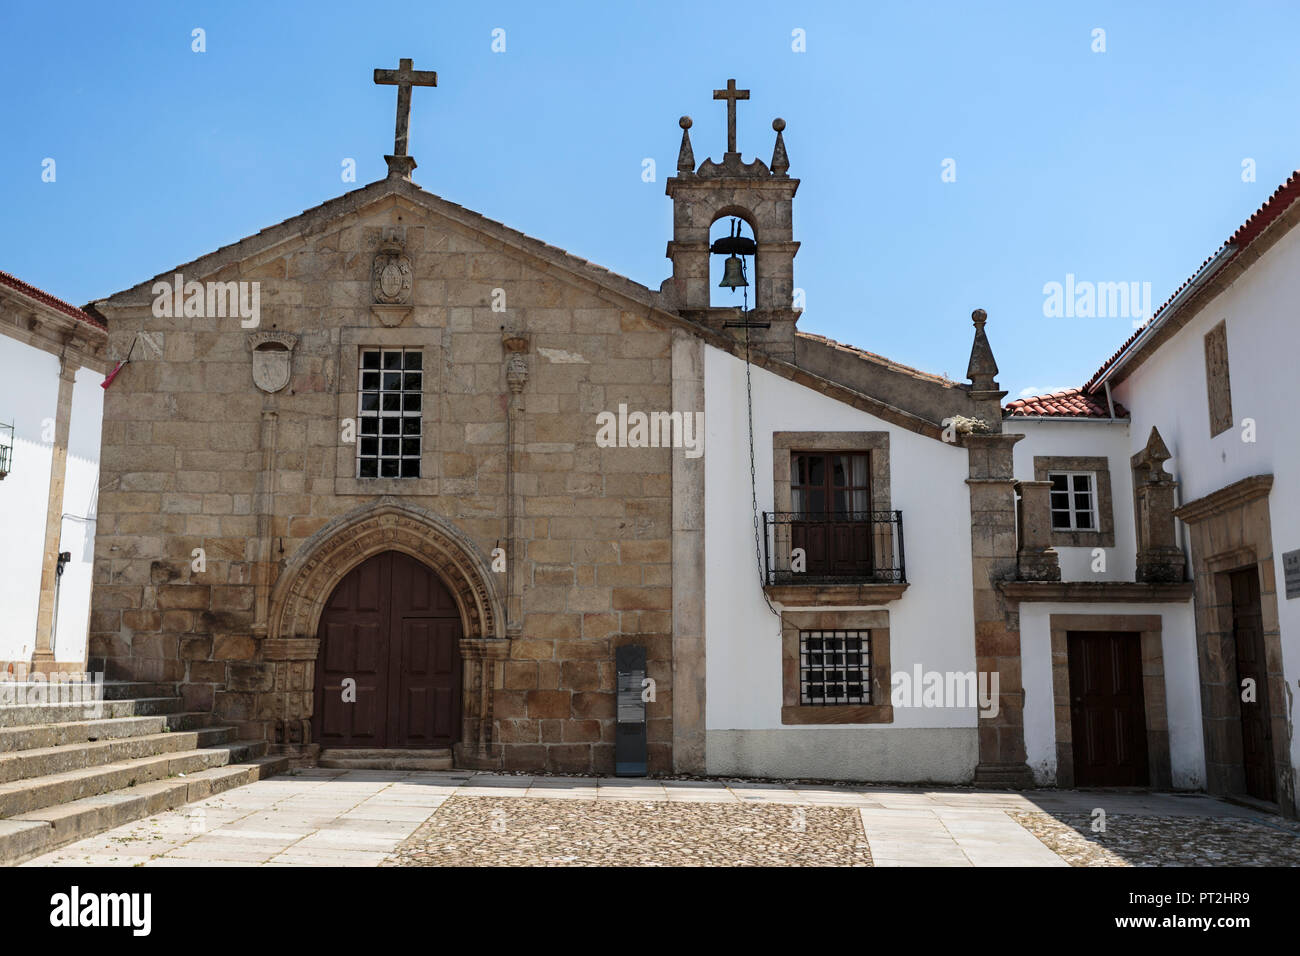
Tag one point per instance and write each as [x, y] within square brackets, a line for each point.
[404, 77]
[731, 95]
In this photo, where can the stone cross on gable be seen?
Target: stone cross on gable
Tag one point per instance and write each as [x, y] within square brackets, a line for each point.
[404, 77]
[731, 94]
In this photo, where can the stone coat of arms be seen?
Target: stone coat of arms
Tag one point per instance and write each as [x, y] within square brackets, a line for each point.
[391, 275]
[272, 359]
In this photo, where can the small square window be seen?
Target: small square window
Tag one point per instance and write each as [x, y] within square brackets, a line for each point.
[834, 667]
[1073, 501]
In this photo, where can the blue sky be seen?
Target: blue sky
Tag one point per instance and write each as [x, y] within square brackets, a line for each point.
[1123, 165]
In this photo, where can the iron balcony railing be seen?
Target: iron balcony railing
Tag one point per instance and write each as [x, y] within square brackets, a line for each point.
[852, 547]
[6, 447]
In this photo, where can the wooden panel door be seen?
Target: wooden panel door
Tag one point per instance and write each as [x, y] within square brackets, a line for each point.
[354, 645]
[1107, 709]
[392, 626]
[1256, 726]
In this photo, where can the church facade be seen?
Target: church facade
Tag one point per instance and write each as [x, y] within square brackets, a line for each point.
[404, 478]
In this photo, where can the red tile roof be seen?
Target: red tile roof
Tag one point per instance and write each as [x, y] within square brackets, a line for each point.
[1070, 403]
[1246, 233]
[53, 302]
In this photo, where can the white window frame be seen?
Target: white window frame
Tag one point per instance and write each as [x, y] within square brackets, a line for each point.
[1072, 511]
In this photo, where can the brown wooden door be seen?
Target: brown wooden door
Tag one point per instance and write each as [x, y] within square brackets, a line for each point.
[831, 520]
[1256, 729]
[1107, 709]
[392, 626]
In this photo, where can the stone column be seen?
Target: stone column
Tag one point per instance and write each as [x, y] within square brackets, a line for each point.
[1159, 558]
[483, 660]
[997, 645]
[286, 709]
[265, 504]
[516, 345]
[1036, 559]
[688, 685]
[43, 653]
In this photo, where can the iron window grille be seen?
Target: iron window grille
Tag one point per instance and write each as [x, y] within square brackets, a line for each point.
[391, 388]
[834, 667]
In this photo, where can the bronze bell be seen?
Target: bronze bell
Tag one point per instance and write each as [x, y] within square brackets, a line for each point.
[733, 274]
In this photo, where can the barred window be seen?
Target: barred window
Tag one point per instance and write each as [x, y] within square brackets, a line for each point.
[388, 413]
[1074, 500]
[835, 667]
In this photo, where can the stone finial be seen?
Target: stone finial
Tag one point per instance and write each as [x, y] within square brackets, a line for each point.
[986, 398]
[780, 160]
[685, 156]
[982, 369]
[1156, 453]
[1159, 558]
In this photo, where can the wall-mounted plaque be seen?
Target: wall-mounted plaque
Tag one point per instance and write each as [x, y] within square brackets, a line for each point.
[1291, 571]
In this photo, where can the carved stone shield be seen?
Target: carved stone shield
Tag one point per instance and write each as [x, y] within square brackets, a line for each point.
[272, 359]
[391, 275]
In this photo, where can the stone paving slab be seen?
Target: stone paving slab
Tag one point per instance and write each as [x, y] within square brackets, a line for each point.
[337, 817]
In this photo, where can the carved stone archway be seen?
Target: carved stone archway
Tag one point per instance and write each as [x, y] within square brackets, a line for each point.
[310, 577]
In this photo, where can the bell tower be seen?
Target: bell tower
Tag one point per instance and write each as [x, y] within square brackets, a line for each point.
[762, 196]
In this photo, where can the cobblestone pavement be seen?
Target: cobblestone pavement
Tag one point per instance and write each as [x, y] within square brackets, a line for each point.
[1143, 840]
[488, 831]
[395, 818]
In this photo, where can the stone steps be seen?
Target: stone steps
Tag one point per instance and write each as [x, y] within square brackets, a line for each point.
[361, 759]
[40, 831]
[71, 770]
[44, 761]
[36, 736]
[24, 715]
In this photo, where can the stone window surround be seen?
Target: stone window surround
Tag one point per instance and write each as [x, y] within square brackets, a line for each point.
[1218, 388]
[1148, 627]
[352, 341]
[793, 712]
[785, 444]
[1104, 536]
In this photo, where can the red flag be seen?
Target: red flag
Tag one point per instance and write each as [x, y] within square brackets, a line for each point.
[112, 375]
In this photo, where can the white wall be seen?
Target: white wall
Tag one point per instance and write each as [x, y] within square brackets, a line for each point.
[1182, 686]
[931, 625]
[1169, 392]
[80, 498]
[1092, 439]
[29, 389]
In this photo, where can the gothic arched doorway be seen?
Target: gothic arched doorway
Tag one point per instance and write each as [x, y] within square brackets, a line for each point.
[392, 626]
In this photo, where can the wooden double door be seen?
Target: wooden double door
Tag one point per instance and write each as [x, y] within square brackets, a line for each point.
[1107, 709]
[392, 627]
[1256, 726]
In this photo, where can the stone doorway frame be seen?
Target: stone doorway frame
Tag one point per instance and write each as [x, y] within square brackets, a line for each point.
[1148, 627]
[1231, 530]
[309, 578]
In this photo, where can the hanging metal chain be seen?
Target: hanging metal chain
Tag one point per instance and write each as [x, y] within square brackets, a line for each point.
[753, 473]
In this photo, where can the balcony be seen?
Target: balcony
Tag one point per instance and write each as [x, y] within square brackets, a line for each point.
[846, 558]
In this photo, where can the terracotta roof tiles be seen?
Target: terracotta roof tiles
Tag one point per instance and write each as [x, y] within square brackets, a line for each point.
[1070, 403]
[43, 297]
